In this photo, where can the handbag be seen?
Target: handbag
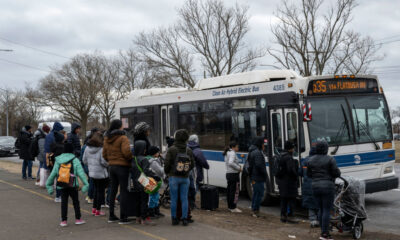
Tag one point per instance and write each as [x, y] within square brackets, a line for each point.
[149, 184]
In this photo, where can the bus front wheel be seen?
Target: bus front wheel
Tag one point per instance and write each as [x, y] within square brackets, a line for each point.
[267, 200]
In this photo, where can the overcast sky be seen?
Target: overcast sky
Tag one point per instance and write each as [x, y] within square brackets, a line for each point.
[66, 28]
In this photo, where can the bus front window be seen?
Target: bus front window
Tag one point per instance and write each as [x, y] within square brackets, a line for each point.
[331, 121]
[371, 118]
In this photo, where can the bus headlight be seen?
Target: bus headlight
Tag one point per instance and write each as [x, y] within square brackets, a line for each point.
[388, 170]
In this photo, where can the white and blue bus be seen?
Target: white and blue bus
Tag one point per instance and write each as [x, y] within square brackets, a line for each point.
[349, 112]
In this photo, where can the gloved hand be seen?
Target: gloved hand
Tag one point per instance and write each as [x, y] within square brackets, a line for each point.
[85, 188]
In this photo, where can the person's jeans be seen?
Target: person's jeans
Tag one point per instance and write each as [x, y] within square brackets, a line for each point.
[232, 191]
[258, 194]
[119, 177]
[65, 194]
[286, 204]
[154, 198]
[179, 186]
[92, 188]
[27, 164]
[324, 198]
[99, 195]
[312, 214]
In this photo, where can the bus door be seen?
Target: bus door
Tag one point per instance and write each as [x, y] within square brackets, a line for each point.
[277, 137]
[166, 125]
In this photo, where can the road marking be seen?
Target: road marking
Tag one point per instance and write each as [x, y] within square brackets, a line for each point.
[82, 210]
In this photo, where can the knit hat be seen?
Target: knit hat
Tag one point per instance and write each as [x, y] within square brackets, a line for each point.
[27, 127]
[57, 126]
[258, 142]
[181, 135]
[194, 138]
[289, 145]
[46, 128]
[153, 150]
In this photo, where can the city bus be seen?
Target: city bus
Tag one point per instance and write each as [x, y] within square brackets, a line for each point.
[349, 112]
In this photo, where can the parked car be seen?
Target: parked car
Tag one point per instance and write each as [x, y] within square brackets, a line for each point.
[396, 137]
[7, 146]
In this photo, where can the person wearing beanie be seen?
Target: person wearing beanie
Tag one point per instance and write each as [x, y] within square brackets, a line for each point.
[257, 173]
[24, 141]
[74, 139]
[37, 149]
[50, 137]
[197, 175]
[287, 179]
[157, 166]
[179, 162]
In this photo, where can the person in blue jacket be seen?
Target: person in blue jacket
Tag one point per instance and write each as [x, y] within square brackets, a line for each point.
[308, 200]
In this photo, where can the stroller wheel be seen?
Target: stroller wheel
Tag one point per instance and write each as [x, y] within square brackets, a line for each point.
[166, 203]
[358, 230]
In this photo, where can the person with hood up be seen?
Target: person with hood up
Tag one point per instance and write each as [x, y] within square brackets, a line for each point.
[118, 154]
[141, 131]
[98, 170]
[56, 149]
[287, 182]
[323, 171]
[307, 197]
[40, 137]
[233, 170]
[178, 163]
[257, 173]
[74, 139]
[66, 192]
[57, 127]
[200, 163]
[25, 140]
[157, 166]
[141, 197]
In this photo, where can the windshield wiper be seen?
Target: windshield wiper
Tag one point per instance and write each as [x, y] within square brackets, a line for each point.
[345, 124]
[365, 129]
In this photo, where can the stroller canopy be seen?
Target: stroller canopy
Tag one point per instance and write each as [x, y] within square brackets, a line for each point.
[352, 199]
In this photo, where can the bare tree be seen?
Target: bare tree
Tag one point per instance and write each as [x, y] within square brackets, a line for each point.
[162, 52]
[216, 32]
[312, 42]
[73, 88]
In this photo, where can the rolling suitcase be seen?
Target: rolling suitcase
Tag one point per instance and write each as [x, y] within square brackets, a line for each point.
[209, 196]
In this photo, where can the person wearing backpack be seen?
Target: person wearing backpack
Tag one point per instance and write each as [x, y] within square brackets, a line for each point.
[287, 180]
[25, 141]
[37, 149]
[98, 170]
[233, 170]
[66, 170]
[178, 163]
[157, 166]
[257, 173]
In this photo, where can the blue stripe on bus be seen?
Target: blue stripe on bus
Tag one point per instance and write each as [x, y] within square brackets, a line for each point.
[341, 160]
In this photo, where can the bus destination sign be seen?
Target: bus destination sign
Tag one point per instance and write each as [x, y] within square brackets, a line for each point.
[342, 86]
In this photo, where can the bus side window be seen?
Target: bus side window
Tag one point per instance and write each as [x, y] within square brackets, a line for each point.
[277, 132]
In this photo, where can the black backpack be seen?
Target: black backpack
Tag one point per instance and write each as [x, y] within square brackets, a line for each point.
[18, 143]
[34, 147]
[182, 164]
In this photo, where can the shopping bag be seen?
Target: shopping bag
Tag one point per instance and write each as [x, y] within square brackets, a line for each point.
[44, 174]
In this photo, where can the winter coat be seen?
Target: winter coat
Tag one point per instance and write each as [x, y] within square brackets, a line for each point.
[322, 169]
[116, 149]
[288, 175]
[232, 162]
[257, 167]
[200, 160]
[25, 139]
[144, 164]
[98, 167]
[74, 139]
[41, 138]
[179, 146]
[78, 172]
[50, 137]
[157, 167]
[307, 197]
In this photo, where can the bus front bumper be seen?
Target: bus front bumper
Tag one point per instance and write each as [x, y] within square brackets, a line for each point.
[382, 184]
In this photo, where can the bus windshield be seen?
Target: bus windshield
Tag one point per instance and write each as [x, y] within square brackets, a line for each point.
[333, 120]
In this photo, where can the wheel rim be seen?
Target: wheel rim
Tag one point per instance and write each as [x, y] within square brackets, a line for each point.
[357, 232]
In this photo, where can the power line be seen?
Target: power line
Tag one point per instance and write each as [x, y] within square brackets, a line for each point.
[24, 65]
[386, 38]
[34, 48]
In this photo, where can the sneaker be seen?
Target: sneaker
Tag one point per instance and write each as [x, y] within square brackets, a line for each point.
[175, 221]
[105, 206]
[326, 237]
[37, 183]
[31, 178]
[90, 201]
[99, 213]
[94, 211]
[79, 222]
[255, 214]
[63, 224]
[314, 224]
[236, 210]
[112, 218]
[148, 221]
[283, 219]
[24, 178]
[185, 222]
[57, 199]
[124, 221]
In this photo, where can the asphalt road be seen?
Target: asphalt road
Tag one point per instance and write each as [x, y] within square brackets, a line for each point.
[383, 212]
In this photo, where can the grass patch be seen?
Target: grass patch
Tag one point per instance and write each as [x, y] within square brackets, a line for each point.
[397, 146]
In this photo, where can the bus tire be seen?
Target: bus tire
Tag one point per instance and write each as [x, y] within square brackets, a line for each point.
[267, 200]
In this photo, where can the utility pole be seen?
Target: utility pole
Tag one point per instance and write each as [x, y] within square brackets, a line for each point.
[7, 110]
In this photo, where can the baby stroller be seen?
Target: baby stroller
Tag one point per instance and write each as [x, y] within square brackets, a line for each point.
[165, 198]
[349, 206]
